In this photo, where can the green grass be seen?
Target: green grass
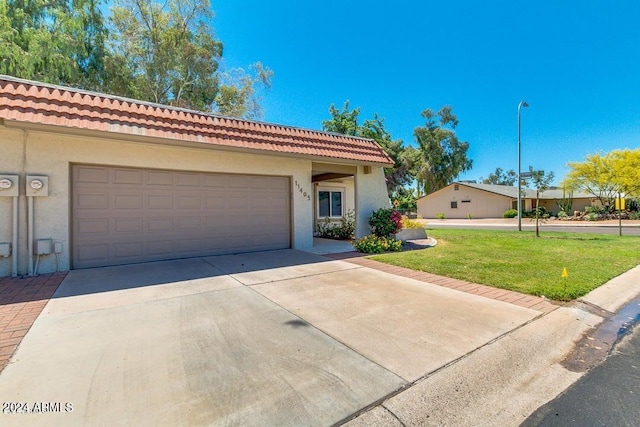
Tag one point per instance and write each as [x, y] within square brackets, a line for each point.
[521, 262]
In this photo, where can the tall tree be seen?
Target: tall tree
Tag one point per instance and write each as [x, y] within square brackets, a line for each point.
[606, 175]
[541, 183]
[501, 177]
[442, 156]
[345, 122]
[54, 41]
[167, 53]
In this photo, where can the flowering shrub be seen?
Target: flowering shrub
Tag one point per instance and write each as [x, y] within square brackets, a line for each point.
[385, 222]
[408, 223]
[373, 244]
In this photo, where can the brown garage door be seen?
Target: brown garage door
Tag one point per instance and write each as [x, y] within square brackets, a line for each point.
[124, 215]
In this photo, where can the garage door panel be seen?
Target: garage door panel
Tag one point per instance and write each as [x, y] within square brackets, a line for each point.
[91, 174]
[215, 181]
[164, 178]
[187, 246]
[189, 201]
[188, 224]
[128, 225]
[160, 248]
[127, 176]
[128, 250]
[158, 225]
[187, 179]
[126, 215]
[92, 226]
[89, 253]
[159, 201]
[214, 202]
[237, 181]
[92, 200]
[128, 201]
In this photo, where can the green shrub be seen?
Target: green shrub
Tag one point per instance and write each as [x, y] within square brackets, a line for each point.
[511, 213]
[373, 244]
[470, 215]
[598, 210]
[440, 215]
[542, 213]
[343, 230]
[562, 214]
[385, 222]
[592, 216]
[634, 215]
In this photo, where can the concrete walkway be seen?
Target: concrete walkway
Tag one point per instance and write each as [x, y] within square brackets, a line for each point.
[292, 338]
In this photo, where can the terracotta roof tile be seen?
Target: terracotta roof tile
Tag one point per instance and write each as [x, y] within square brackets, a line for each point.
[34, 102]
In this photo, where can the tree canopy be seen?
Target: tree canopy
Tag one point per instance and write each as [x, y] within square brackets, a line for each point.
[162, 52]
[606, 175]
[443, 157]
[501, 177]
[53, 41]
[345, 122]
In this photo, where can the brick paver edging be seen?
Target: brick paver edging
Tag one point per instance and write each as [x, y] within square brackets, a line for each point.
[516, 298]
[21, 302]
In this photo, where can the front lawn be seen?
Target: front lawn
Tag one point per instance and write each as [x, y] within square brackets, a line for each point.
[521, 262]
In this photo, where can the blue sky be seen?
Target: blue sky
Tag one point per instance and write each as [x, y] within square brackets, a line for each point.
[576, 63]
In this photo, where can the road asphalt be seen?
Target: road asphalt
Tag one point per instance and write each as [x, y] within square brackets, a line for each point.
[608, 395]
[293, 338]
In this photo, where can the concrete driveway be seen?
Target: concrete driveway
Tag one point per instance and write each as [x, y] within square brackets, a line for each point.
[272, 338]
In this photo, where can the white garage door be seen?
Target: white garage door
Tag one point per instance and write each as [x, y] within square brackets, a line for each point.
[125, 215]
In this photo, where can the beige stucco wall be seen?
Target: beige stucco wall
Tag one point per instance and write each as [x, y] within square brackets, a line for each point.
[50, 154]
[370, 194]
[478, 203]
[578, 205]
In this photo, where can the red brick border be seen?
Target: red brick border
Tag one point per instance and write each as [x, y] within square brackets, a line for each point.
[21, 302]
[516, 298]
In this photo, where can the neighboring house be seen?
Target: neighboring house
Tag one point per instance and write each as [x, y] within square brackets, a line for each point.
[460, 199]
[106, 181]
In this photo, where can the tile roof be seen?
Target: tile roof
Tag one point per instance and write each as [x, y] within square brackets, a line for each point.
[35, 102]
[512, 192]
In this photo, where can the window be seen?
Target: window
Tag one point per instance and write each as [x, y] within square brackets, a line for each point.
[330, 203]
[456, 187]
[454, 205]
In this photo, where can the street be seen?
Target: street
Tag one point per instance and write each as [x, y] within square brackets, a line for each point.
[608, 395]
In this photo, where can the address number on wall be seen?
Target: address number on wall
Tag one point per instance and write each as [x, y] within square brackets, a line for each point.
[304, 193]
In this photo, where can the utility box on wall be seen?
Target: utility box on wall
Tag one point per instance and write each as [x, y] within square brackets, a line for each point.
[5, 250]
[9, 186]
[43, 247]
[37, 186]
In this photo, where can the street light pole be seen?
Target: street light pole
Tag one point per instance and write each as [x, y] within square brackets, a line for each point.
[520, 105]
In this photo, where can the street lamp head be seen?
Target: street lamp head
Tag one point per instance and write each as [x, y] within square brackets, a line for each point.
[524, 104]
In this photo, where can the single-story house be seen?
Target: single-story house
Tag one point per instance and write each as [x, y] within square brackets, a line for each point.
[460, 199]
[89, 179]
